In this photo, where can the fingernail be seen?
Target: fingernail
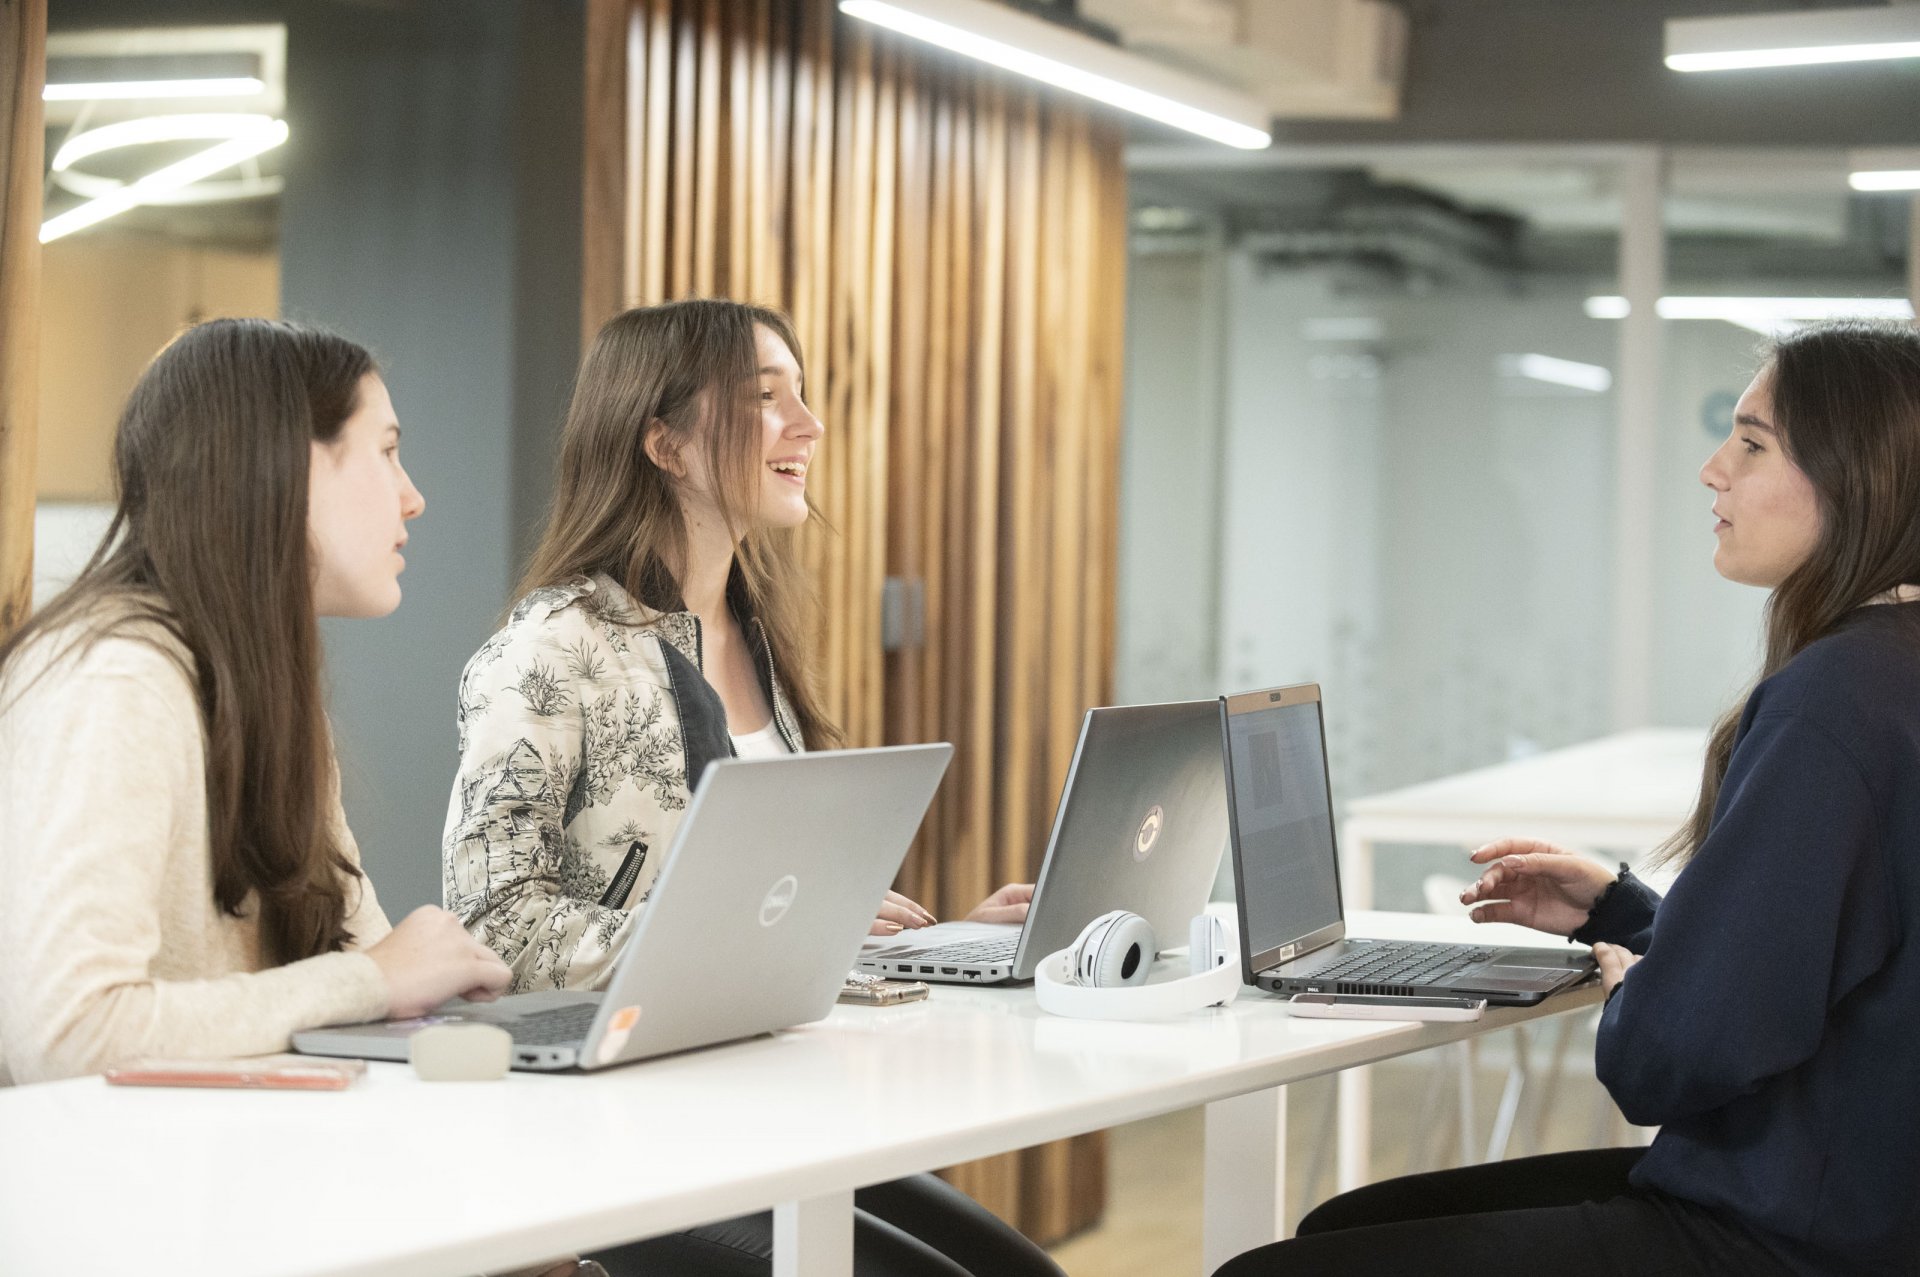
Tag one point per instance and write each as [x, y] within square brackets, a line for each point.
[893, 926]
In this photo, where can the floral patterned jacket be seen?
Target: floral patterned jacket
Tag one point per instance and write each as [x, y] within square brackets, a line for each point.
[584, 724]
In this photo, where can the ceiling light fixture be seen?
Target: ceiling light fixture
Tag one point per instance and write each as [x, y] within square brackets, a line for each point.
[235, 150]
[126, 90]
[1893, 179]
[1803, 38]
[1066, 59]
[148, 130]
[1557, 372]
[1884, 168]
[1771, 316]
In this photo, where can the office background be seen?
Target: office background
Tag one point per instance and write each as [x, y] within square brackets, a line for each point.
[1112, 415]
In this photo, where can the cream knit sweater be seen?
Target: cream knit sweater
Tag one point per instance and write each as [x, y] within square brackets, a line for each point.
[111, 945]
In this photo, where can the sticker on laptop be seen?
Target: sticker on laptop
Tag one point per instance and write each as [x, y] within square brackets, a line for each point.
[619, 1029]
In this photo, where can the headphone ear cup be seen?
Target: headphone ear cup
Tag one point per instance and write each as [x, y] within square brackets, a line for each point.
[1114, 951]
[1085, 946]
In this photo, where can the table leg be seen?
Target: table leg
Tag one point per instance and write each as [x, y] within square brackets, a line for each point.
[1246, 1175]
[814, 1237]
[1354, 1094]
[1354, 1087]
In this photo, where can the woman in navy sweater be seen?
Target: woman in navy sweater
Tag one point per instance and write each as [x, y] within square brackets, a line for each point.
[1766, 1013]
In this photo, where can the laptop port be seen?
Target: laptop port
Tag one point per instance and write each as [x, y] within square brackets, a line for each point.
[926, 970]
[949, 970]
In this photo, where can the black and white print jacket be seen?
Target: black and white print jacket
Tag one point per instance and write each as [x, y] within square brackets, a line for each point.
[584, 723]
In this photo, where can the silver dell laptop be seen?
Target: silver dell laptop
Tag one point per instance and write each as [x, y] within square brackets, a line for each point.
[1141, 826]
[782, 862]
[1293, 930]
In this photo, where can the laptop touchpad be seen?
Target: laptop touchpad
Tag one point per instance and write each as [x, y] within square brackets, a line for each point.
[1516, 979]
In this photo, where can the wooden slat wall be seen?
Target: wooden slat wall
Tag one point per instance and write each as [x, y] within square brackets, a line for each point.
[23, 64]
[951, 246]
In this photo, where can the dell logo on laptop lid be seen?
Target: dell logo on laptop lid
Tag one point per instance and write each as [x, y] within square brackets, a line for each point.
[779, 899]
[1148, 833]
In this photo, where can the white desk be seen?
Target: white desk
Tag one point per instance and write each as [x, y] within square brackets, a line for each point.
[1624, 793]
[404, 1178]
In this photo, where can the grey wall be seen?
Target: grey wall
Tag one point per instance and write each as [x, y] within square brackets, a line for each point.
[432, 211]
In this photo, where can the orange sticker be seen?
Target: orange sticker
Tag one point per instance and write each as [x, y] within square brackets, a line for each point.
[619, 1029]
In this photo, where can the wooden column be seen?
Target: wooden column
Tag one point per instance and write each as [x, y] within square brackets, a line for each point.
[951, 245]
[23, 58]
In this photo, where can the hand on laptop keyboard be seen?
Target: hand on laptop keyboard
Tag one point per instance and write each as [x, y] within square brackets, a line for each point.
[897, 914]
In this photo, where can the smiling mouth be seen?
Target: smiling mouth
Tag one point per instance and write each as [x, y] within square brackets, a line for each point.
[795, 470]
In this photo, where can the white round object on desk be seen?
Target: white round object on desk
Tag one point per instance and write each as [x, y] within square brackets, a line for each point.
[460, 1052]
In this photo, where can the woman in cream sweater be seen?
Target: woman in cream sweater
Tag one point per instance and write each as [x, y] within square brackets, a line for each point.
[180, 878]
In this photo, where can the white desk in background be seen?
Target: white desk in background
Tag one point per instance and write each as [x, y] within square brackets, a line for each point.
[414, 1179]
[1624, 794]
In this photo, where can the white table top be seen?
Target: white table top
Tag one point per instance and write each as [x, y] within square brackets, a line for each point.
[403, 1177]
[1628, 786]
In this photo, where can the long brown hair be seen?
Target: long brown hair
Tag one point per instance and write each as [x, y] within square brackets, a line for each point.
[209, 542]
[1846, 410]
[690, 365]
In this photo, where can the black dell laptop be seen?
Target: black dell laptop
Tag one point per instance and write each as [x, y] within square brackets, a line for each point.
[1293, 931]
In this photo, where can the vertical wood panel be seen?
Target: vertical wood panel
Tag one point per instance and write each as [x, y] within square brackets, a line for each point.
[23, 54]
[603, 247]
[950, 247]
[686, 149]
[706, 208]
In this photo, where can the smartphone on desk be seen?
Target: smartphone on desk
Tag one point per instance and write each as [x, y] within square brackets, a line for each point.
[866, 990]
[254, 1073]
[1368, 1006]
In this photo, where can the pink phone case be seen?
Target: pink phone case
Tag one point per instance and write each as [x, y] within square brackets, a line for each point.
[258, 1073]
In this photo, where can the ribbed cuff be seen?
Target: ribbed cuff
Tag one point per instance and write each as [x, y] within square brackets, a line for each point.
[1625, 893]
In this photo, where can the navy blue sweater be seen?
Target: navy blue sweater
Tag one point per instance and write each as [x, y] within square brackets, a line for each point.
[1772, 1029]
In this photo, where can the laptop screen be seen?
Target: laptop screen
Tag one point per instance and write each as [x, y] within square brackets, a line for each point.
[1283, 821]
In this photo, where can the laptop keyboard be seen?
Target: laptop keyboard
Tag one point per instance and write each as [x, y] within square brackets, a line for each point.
[969, 951]
[554, 1027]
[1391, 962]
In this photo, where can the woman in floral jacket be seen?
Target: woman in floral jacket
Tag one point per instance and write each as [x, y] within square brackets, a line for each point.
[660, 627]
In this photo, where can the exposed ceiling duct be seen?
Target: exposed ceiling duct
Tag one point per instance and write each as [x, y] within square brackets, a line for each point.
[1301, 59]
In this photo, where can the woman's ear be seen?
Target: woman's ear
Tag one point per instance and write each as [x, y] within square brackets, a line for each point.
[658, 442]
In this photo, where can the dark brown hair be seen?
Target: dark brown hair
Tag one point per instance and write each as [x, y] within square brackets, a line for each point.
[209, 542]
[690, 365]
[1846, 410]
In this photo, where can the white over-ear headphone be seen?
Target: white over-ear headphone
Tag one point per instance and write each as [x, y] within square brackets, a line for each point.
[1103, 974]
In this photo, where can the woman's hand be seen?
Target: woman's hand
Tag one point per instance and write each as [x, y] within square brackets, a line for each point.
[1535, 884]
[429, 958]
[1614, 962]
[1009, 904]
[897, 914]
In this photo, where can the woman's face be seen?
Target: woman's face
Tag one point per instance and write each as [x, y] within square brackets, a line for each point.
[359, 500]
[789, 436]
[1767, 519]
[789, 433]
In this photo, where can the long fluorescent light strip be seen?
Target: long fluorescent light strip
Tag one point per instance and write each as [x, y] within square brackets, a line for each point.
[1059, 74]
[173, 176]
[121, 90]
[1558, 372]
[1765, 315]
[1804, 37]
[1812, 55]
[1885, 180]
